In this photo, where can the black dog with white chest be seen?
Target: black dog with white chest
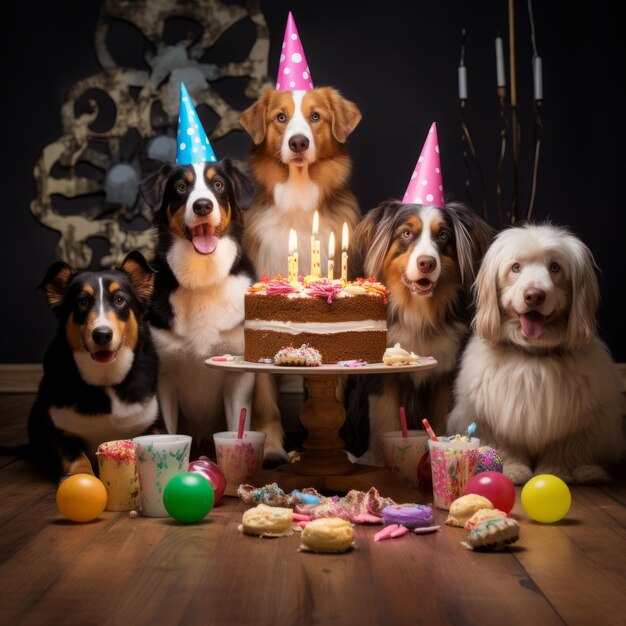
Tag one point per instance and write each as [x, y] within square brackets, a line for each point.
[100, 371]
[197, 308]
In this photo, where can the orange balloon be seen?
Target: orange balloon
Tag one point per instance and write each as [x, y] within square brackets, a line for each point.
[81, 497]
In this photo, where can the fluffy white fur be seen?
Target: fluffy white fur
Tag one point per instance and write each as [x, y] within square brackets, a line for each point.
[545, 393]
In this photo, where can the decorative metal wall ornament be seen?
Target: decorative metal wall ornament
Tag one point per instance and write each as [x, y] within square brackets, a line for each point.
[96, 171]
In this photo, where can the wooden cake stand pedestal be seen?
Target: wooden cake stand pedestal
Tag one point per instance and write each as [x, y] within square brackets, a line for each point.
[324, 464]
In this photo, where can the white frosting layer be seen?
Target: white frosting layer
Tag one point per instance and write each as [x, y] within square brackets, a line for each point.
[318, 328]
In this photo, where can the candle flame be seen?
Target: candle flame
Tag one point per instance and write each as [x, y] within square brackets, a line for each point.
[344, 237]
[293, 241]
[331, 246]
[316, 224]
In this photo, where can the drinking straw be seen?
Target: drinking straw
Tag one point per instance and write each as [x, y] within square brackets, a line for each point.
[242, 421]
[471, 429]
[405, 432]
[429, 430]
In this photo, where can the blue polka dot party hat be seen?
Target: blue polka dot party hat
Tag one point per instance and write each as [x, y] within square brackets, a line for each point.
[192, 144]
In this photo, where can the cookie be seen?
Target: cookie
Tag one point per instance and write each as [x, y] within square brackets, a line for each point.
[294, 357]
[267, 521]
[482, 515]
[464, 507]
[493, 535]
[327, 534]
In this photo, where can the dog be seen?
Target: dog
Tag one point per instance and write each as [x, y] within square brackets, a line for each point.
[427, 257]
[301, 165]
[197, 309]
[100, 371]
[535, 378]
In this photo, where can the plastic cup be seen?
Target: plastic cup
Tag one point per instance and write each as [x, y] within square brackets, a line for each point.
[239, 458]
[117, 469]
[402, 455]
[159, 459]
[452, 464]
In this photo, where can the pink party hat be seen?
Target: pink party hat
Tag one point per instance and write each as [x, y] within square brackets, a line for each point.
[293, 70]
[426, 185]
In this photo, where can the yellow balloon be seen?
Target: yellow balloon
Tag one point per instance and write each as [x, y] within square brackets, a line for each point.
[546, 498]
[81, 497]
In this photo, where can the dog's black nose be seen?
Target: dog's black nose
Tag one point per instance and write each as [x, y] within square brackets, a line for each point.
[298, 143]
[202, 206]
[102, 335]
[534, 297]
[426, 264]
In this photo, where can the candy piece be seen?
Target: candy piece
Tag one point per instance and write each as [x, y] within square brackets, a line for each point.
[401, 530]
[409, 515]
[426, 530]
[385, 533]
[301, 518]
[367, 518]
[307, 498]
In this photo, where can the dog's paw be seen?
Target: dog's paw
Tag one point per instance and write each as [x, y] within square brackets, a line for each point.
[555, 470]
[274, 456]
[518, 473]
[590, 475]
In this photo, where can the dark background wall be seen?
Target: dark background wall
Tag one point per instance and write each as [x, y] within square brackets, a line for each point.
[398, 61]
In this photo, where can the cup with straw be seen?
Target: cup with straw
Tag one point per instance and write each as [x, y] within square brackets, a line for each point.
[402, 451]
[239, 454]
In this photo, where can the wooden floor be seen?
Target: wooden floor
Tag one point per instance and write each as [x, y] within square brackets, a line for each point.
[122, 571]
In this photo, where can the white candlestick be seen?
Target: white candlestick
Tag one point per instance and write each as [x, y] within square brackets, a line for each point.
[462, 82]
[538, 78]
[500, 76]
[344, 252]
[331, 256]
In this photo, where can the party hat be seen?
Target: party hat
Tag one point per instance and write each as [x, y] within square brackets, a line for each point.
[192, 144]
[426, 186]
[293, 70]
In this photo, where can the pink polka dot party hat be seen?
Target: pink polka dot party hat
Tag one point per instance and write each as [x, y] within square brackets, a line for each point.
[293, 70]
[426, 184]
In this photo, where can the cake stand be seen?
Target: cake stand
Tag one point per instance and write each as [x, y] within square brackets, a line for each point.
[323, 462]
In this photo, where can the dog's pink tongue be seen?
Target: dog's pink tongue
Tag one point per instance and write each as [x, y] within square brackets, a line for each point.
[203, 238]
[532, 324]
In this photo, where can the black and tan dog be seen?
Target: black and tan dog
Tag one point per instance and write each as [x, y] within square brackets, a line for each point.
[100, 371]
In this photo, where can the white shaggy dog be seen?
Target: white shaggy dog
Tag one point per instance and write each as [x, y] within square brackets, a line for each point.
[539, 383]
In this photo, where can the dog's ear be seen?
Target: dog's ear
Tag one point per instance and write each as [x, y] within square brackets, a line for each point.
[581, 325]
[473, 236]
[140, 273]
[371, 239]
[253, 120]
[242, 187]
[487, 322]
[153, 187]
[345, 115]
[55, 282]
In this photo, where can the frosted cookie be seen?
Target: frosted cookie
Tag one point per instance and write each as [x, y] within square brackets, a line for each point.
[399, 356]
[327, 534]
[493, 535]
[482, 515]
[304, 355]
[267, 521]
[464, 507]
[409, 515]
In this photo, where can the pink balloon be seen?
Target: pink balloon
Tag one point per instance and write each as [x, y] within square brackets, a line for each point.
[212, 473]
[494, 486]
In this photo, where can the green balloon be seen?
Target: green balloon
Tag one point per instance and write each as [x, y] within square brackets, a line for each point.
[188, 497]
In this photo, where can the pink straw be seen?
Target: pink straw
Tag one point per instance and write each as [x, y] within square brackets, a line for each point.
[429, 430]
[405, 432]
[242, 421]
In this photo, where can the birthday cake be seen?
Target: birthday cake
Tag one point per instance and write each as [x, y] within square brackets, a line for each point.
[343, 320]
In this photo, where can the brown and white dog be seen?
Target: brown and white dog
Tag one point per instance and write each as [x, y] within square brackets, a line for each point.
[539, 383]
[427, 257]
[301, 165]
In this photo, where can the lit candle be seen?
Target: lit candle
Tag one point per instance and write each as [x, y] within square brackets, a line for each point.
[315, 248]
[293, 257]
[538, 78]
[501, 79]
[462, 82]
[344, 252]
[331, 256]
